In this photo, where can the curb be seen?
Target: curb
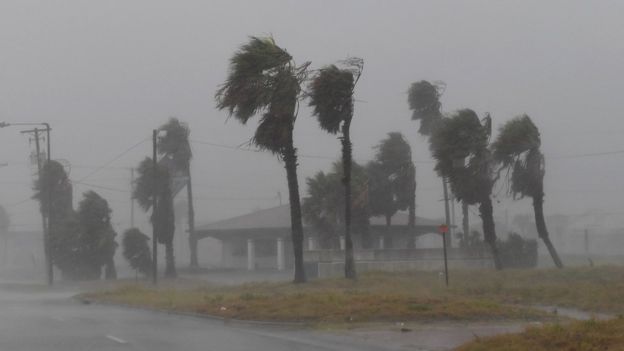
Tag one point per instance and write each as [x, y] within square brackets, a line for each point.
[297, 325]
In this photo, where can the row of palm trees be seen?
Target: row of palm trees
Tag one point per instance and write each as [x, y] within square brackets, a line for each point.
[264, 80]
[465, 158]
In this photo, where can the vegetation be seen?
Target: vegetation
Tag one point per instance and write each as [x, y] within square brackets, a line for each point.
[579, 336]
[393, 179]
[97, 237]
[136, 250]
[264, 79]
[331, 96]
[148, 185]
[459, 145]
[81, 242]
[174, 146]
[517, 149]
[375, 296]
[323, 208]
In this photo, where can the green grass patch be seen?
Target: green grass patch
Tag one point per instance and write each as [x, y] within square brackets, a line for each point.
[383, 296]
[577, 336]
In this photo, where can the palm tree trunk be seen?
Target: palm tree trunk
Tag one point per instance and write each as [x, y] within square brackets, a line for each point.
[110, 273]
[170, 270]
[489, 231]
[542, 231]
[290, 160]
[465, 220]
[346, 164]
[191, 220]
[411, 221]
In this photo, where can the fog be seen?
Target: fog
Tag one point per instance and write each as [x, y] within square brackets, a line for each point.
[103, 74]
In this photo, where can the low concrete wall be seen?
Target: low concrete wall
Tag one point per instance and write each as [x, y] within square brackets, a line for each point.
[330, 263]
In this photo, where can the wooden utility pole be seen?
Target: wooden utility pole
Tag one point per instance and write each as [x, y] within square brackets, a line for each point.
[154, 204]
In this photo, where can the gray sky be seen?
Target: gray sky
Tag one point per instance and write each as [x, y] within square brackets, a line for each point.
[105, 73]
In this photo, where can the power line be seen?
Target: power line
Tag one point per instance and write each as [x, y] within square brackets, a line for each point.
[236, 148]
[113, 160]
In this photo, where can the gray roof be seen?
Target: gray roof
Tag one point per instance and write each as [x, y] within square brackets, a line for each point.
[279, 217]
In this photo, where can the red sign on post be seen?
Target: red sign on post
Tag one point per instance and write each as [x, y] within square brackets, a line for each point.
[443, 229]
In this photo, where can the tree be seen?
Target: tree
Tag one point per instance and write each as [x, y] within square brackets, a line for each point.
[331, 96]
[264, 80]
[54, 191]
[517, 149]
[394, 166]
[459, 144]
[136, 250]
[148, 185]
[5, 223]
[97, 239]
[423, 99]
[324, 207]
[174, 145]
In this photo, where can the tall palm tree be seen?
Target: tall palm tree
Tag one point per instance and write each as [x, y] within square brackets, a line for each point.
[331, 96]
[264, 79]
[464, 137]
[517, 148]
[148, 185]
[423, 99]
[175, 145]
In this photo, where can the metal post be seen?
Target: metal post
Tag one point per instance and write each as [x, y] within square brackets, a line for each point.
[154, 204]
[445, 258]
[45, 219]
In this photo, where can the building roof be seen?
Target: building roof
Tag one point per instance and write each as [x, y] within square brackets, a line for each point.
[279, 217]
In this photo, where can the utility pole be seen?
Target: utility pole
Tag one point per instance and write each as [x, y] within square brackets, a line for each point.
[154, 204]
[131, 198]
[45, 215]
[47, 225]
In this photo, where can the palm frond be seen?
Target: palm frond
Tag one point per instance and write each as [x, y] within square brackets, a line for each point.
[175, 142]
[423, 98]
[248, 87]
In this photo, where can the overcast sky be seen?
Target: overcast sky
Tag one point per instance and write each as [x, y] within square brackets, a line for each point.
[104, 73]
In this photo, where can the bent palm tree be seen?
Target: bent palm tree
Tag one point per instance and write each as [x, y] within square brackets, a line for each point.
[175, 145]
[423, 99]
[331, 95]
[463, 137]
[517, 148]
[263, 79]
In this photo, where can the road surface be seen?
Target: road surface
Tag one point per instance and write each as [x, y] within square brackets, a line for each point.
[52, 321]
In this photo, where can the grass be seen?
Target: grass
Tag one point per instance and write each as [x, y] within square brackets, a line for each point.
[578, 336]
[405, 296]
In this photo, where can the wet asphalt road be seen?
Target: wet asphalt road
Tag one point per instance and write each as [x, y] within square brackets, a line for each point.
[52, 321]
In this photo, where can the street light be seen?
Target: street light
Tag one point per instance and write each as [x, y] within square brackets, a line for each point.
[47, 225]
[155, 134]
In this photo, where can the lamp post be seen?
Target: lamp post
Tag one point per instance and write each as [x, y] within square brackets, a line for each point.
[47, 224]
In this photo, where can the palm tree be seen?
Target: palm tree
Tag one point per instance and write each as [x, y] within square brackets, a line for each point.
[174, 144]
[264, 79]
[517, 148]
[394, 155]
[423, 99]
[148, 185]
[459, 145]
[331, 95]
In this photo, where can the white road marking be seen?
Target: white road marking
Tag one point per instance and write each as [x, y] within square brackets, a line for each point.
[116, 339]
